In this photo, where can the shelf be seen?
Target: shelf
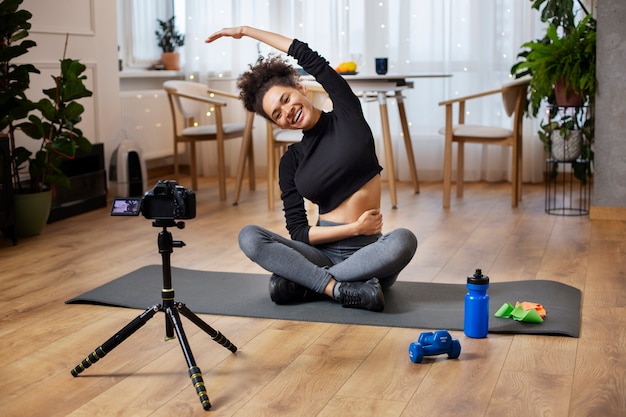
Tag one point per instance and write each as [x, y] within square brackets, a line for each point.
[138, 79]
[146, 73]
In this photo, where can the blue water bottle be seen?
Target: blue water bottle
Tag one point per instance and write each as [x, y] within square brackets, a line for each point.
[476, 321]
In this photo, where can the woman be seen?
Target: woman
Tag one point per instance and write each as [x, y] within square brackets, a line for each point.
[344, 256]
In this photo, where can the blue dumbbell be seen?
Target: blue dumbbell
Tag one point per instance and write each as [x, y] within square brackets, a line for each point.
[434, 343]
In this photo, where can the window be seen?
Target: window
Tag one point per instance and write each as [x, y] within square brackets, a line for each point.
[137, 23]
[476, 41]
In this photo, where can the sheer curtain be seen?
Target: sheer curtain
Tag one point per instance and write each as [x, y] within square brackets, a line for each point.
[137, 22]
[476, 41]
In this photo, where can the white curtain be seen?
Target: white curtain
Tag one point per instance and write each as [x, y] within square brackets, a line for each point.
[476, 41]
[137, 23]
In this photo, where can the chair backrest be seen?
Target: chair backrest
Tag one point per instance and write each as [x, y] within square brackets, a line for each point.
[514, 100]
[514, 95]
[189, 108]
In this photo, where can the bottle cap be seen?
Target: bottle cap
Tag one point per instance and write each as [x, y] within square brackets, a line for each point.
[478, 278]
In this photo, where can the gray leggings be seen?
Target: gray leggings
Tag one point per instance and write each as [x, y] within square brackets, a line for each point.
[354, 259]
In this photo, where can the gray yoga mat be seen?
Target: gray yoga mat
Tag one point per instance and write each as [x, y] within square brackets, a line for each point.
[419, 305]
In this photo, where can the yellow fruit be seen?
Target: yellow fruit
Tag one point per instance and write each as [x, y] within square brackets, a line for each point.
[351, 66]
[346, 67]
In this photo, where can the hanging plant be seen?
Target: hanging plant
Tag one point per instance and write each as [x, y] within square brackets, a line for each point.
[569, 59]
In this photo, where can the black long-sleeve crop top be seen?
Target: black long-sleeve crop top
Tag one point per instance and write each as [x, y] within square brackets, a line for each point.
[335, 158]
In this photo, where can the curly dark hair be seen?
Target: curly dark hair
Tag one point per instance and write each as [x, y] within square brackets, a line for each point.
[265, 74]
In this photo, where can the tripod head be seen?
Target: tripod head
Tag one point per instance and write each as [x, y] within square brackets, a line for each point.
[165, 242]
[165, 223]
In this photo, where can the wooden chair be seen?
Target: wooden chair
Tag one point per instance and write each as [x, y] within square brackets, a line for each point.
[189, 100]
[514, 101]
[277, 142]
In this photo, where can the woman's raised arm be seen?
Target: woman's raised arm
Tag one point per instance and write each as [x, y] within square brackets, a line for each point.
[280, 42]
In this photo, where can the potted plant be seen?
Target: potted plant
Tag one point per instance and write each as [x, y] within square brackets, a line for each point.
[568, 141]
[169, 39]
[50, 121]
[562, 139]
[562, 67]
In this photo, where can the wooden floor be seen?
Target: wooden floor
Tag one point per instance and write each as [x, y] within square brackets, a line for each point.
[286, 368]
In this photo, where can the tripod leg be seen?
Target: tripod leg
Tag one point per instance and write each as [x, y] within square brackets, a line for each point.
[215, 334]
[167, 295]
[116, 339]
[194, 372]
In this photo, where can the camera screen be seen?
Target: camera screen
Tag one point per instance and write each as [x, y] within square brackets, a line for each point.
[126, 207]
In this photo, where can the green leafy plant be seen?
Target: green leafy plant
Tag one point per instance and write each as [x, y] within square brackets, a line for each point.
[558, 12]
[168, 37]
[583, 167]
[14, 78]
[565, 55]
[55, 129]
[51, 121]
[570, 57]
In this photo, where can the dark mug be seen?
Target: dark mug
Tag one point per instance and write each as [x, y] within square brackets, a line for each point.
[381, 66]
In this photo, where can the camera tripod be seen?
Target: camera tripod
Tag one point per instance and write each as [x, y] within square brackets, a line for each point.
[171, 309]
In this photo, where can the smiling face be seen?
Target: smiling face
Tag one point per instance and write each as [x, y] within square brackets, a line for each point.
[290, 108]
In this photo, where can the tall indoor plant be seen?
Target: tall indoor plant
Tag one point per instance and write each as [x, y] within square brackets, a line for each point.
[14, 78]
[51, 121]
[53, 126]
[563, 60]
[169, 39]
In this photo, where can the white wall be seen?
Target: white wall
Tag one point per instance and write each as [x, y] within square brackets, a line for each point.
[92, 28]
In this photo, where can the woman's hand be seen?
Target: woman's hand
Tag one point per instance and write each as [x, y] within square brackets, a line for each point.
[370, 222]
[234, 32]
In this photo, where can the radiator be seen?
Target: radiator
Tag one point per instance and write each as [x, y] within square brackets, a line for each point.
[147, 120]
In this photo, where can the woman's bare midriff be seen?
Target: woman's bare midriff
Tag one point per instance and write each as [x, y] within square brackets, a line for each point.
[366, 198]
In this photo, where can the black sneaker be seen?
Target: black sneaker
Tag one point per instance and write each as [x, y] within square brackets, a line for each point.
[366, 295]
[283, 291]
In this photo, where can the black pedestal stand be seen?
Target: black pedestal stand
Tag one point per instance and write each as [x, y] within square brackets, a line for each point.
[171, 309]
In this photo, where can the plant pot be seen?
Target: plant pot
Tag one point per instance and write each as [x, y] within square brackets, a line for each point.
[566, 96]
[566, 148]
[170, 60]
[31, 212]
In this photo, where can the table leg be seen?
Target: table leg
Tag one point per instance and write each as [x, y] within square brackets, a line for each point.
[245, 153]
[407, 141]
[384, 117]
[250, 150]
[447, 158]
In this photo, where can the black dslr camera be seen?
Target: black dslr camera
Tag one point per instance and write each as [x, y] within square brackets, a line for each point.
[165, 201]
